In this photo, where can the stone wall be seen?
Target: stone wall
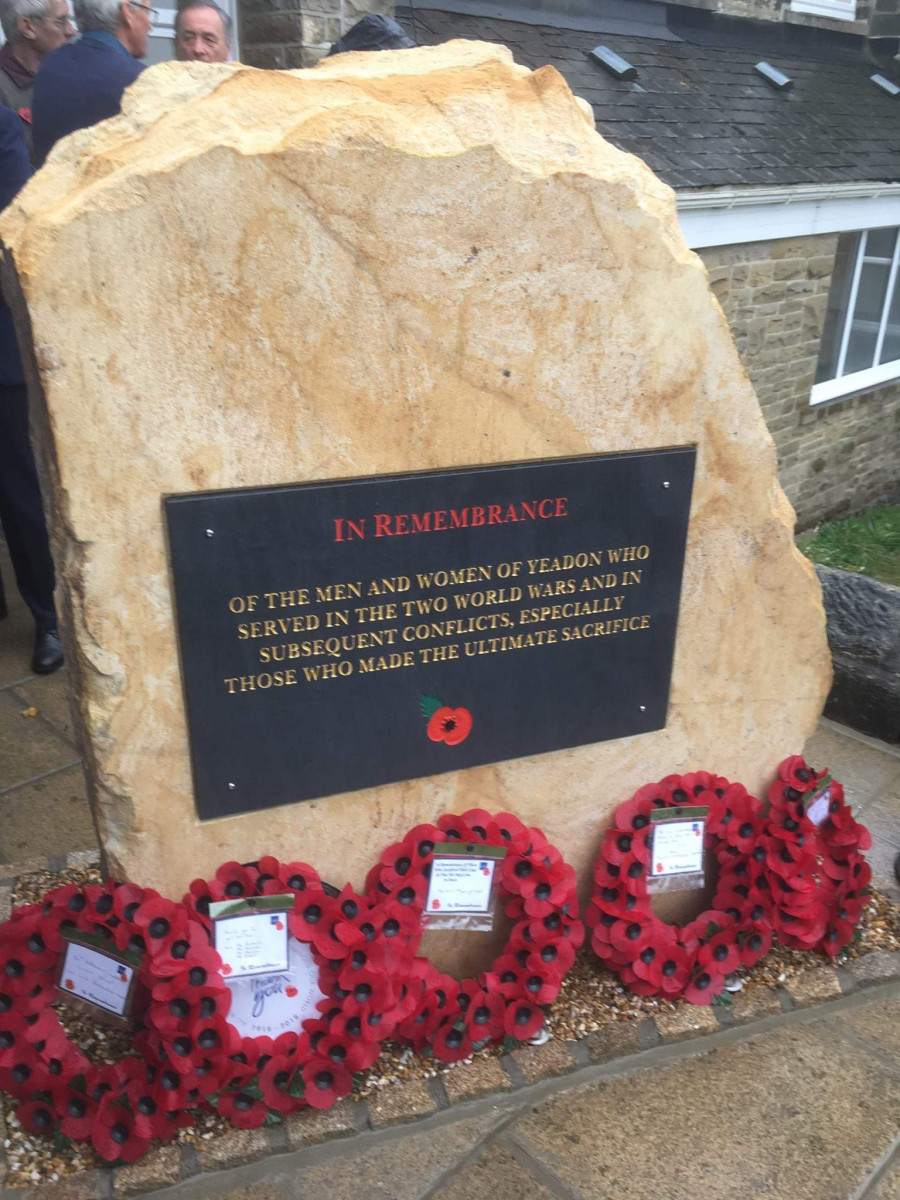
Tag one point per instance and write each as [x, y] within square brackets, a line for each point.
[833, 459]
[297, 33]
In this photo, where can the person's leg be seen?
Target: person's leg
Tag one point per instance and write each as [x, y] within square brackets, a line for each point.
[22, 516]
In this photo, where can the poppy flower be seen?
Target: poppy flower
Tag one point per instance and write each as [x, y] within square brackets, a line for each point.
[754, 945]
[522, 1020]
[325, 1082]
[242, 1109]
[720, 954]
[37, 1116]
[452, 1044]
[275, 1079]
[160, 920]
[450, 725]
[705, 985]
[233, 880]
[76, 1111]
[114, 1135]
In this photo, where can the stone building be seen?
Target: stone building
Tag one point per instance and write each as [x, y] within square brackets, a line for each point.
[790, 193]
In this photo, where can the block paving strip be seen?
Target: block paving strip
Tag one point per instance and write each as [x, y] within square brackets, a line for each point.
[511, 1083]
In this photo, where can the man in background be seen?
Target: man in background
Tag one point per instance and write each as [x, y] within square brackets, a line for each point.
[203, 32]
[21, 512]
[82, 82]
[32, 29]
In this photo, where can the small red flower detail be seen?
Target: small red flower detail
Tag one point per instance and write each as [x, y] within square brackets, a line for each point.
[290, 992]
[450, 725]
[69, 984]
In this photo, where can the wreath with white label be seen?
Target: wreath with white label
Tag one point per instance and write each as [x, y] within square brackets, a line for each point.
[118, 1107]
[818, 875]
[450, 1018]
[655, 958]
[363, 952]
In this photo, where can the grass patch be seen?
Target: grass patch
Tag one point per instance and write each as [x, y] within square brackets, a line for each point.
[868, 543]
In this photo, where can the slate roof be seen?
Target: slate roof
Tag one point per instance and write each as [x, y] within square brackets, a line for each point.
[698, 113]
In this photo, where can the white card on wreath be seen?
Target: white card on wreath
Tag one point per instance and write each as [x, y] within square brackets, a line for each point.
[95, 977]
[460, 884]
[677, 848]
[252, 943]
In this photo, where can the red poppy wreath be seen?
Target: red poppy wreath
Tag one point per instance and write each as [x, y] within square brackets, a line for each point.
[652, 957]
[817, 872]
[119, 1107]
[452, 1018]
[363, 952]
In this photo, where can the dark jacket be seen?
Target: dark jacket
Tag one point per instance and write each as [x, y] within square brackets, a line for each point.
[16, 88]
[14, 170]
[78, 85]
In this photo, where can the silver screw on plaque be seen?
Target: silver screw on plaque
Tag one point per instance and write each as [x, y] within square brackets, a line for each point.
[231, 787]
[643, 708]
[209, 532]
[665, 483]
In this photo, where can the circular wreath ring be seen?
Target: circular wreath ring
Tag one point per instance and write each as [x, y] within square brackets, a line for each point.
[451, 1018]
[118, 1107]
[364, 952]
[818, 874]
[655, 958]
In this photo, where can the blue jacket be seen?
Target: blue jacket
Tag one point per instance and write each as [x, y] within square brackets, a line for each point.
[78, 85]
[14, 170]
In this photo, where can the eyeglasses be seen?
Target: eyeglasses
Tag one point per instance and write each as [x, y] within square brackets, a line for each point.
[59, 22]
[153, 13]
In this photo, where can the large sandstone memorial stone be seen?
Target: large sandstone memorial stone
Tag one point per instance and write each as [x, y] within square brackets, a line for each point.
[395, 263]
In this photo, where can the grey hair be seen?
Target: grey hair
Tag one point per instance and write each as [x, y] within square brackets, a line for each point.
[227, 23]
[12, 10]
[97, 14]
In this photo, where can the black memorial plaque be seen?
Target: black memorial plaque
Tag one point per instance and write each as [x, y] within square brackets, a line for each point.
[331, 632]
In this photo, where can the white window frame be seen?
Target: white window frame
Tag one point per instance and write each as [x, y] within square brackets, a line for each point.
[836, 10]
[859, 381]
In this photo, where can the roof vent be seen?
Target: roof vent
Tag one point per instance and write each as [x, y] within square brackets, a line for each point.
[772, 75]
[612, 62]
[885, 85]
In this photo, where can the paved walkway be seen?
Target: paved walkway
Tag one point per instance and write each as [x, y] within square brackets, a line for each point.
[805, 1105]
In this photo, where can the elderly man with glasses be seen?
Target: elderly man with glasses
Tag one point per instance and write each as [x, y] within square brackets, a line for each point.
[32, 29]
[82, 82]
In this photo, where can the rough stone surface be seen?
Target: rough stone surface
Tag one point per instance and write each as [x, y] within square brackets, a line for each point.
[583, 324]
[497, 1175]
[478, 1078]
[157, 1169]
[310, 1127]
[876, 968]
[795, 1113]
[539, 1062]
[393, 1104]
[614, 1041]
[755, 1004]
[690, 1021]
[888, 1188]
[813, 985]
[864, 635]
[235, 1146]
[401, 1170]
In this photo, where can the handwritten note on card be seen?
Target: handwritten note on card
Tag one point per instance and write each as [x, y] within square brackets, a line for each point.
[91, 975]
[677, 848]
[460, 885]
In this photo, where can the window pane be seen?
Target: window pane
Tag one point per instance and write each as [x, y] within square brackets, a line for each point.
[838, 299]
[873, 282]
[880, 243]
[891, 347]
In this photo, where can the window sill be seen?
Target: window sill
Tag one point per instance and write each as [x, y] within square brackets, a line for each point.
[854, 385]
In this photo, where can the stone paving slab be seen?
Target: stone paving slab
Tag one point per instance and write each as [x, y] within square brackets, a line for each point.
[497, 1175]
[793, 1113]
[28, 747]
[51, 816]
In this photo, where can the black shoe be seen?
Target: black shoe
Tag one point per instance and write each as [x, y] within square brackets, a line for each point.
[48, 652]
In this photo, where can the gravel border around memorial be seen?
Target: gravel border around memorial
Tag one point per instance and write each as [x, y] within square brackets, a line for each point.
[594, 1019]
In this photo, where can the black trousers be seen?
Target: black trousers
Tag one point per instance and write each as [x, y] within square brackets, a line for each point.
[21, 512]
